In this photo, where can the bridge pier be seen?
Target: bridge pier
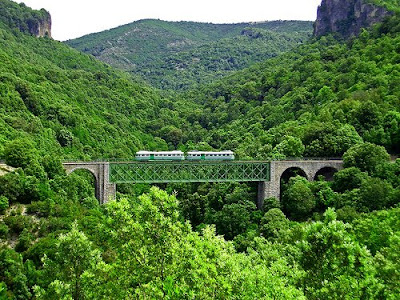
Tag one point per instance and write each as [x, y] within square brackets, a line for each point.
[105, 190]
[310, 168]
[266, 189]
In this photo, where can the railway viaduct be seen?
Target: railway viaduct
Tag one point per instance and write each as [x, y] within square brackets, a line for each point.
[267, 174]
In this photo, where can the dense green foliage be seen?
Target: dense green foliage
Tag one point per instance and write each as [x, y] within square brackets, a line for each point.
[202, 241]
[21, 17]
[71, 104]
[392, 5]
[327, 95]
[180, 55]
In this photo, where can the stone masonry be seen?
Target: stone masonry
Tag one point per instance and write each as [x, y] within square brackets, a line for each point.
[310, 168]
[105, 190]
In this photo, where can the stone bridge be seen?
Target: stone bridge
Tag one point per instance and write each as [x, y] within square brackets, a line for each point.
[310, 169]
[269, 179]
[104, 189]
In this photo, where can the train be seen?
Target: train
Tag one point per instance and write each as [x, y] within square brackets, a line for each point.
[178, 155]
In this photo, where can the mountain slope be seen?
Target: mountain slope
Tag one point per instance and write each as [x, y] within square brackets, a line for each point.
[69, 103]
[326, 94]
[176, 55]
[56, 242]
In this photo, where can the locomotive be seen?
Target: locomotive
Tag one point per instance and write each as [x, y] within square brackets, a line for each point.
[177, 155]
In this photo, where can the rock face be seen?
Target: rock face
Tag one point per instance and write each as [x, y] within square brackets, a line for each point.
[40, 27]
[347, 17]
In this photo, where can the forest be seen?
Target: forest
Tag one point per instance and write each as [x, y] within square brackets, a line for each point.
[327, 97]
[183, 55]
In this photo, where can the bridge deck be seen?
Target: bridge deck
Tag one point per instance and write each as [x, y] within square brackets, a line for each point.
[188, 171]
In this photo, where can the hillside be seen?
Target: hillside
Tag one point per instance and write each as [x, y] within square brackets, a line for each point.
[321, 240]
[317, 93]
[179, 55]
[71, 103]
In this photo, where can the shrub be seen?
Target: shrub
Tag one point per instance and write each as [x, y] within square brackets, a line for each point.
[3, 203]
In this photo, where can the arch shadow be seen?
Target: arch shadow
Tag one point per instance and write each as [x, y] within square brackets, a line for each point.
[326, 172]
[292, 172]
[287, 174]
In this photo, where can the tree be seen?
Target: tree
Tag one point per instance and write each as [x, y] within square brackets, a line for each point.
[329, 139]
[3, 204]
[171, 134]
[157, 254]
[336, 266]
[289, 147]
[391, 123]
[234, 218]
[298, 199]
[268, 271]
[325, 94]
[366, 156]
[325, 196]
[348, 179]
[12, 273]
[387, 262]
[65, 137]
[367, 115]
[273, 223]
[375, 194]
[52, 166]
[20, 152]
[64, 272]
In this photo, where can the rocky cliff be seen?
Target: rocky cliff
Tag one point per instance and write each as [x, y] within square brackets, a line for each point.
[25, 19]
[347, 17]
[40, 27]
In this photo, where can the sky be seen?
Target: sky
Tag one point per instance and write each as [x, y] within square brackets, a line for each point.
[75, 18]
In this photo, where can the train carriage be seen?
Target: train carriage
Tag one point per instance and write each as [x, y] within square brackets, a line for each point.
[159, 155]
[210, 155]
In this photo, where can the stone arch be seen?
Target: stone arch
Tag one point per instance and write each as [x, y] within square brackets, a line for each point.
[311, 169]
[289, 173]
[292, 172]
[93, 173]
[105, 190]
[327, 172]
[75, 168]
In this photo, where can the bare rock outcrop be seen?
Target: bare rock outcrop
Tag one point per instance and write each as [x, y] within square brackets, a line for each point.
[40, 27]
[347, 17]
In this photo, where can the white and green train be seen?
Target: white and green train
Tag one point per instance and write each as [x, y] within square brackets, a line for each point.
[161, 155]
[210, 155]
[179, 155]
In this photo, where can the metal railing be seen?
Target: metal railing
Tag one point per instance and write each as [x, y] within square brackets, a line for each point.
[187, 171]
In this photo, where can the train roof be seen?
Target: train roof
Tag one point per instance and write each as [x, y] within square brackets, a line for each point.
[211, 152]
[159, 152]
